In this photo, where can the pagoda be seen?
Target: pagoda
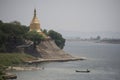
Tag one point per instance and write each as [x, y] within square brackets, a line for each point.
[35, 25]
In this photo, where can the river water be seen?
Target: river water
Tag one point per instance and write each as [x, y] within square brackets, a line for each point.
[103, 60]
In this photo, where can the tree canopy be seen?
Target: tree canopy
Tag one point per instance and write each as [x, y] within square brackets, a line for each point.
[34, 36]
[13, 34]
[59, 40]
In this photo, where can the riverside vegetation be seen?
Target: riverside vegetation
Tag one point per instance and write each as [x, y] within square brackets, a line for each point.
[14, 34]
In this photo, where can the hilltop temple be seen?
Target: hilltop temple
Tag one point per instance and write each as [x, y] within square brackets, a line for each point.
[35, 25]
[47, 50]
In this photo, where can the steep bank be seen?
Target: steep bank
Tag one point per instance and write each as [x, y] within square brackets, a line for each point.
[47, 50]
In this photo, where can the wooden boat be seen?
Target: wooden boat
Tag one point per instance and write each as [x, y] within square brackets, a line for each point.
[87, 71]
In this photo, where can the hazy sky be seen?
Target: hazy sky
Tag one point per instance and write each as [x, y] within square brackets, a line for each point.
[82, 18]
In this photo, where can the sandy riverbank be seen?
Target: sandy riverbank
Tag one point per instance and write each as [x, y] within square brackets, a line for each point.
[24, 68]
[28, 68]
[56, 60]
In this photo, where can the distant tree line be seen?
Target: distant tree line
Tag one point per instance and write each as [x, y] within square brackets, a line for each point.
[13, 34]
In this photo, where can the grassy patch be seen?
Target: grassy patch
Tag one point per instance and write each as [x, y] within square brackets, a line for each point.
[8, 59]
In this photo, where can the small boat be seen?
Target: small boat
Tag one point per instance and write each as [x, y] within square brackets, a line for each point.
[87, 71]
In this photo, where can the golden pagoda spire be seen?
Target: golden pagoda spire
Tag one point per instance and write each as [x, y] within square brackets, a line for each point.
[35, 24]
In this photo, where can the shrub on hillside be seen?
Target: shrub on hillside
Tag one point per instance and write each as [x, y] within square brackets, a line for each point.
[57, 37]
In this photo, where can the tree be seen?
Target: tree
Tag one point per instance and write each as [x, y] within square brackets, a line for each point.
[98, 38]
[1, 22]
[11, 34]
[45, 32]
[59, 40]
[35, 37]
[16, 23]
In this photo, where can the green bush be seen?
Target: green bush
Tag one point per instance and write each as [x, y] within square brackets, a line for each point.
[11, 34]
[35, 37]
[57, 37]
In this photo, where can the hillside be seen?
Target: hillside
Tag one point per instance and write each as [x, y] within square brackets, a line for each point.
[47, 49]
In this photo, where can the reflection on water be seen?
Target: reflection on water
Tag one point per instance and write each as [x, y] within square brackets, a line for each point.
[103, 62]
